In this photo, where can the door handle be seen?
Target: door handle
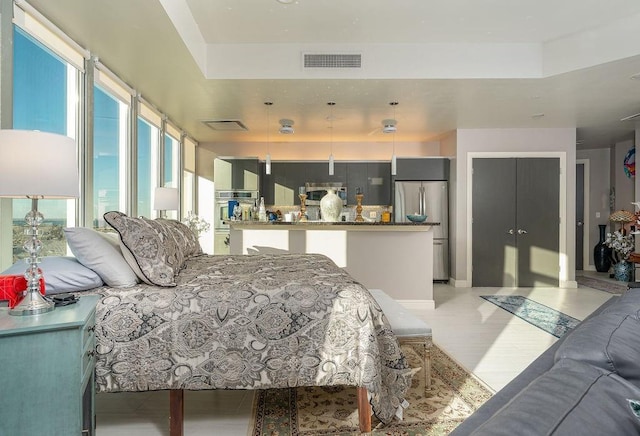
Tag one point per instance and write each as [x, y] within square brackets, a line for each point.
[510, 231]
[522, 232]
[580, 223]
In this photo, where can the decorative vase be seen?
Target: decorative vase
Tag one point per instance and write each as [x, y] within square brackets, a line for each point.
[331, 206]
[602, 253]
[622, 271]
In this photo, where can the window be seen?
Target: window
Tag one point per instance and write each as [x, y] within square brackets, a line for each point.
[45, 93]
[109, 155]
[171, 162]
[188, 176]
[48, 78]
[147, 163]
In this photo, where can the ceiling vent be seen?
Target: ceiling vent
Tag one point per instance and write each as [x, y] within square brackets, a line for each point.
[226, 125]
[332, 60]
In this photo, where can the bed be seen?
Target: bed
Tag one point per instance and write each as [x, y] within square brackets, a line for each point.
[239, 322]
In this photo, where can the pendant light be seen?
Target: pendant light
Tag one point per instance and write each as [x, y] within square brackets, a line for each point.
[331, 104]
[393, 153]
[267, 165]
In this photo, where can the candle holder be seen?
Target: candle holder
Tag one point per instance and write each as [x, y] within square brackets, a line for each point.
[303, 207]
[359, 198]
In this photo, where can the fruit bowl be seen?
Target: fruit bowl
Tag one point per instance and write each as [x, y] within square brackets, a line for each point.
[415, 218]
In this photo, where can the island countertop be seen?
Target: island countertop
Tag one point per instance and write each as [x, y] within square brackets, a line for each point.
[339, 225]
[394, 257]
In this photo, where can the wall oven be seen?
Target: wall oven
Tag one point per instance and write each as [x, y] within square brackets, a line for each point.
[221, 211]
[315, 192]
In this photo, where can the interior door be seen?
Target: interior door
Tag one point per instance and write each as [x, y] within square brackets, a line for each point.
[538, 221]
[494, 227]
[516, 222]
[580, 216]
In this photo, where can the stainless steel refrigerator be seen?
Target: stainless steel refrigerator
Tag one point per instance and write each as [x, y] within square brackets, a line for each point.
[431, 199]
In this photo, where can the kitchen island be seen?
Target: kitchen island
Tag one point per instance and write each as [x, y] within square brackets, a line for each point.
[394, 257]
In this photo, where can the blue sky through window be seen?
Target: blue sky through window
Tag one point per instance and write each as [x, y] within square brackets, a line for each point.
[39, 103]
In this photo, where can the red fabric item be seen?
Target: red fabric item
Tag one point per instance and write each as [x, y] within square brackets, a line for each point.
[12, 288]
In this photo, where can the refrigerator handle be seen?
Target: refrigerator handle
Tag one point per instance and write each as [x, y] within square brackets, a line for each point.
[423, 200]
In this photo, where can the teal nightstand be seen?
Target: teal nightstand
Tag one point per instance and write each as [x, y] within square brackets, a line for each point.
[47, 366]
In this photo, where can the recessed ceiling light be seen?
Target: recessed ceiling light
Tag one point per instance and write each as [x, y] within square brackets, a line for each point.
[539, 115]
[636, 76]
[285, 2]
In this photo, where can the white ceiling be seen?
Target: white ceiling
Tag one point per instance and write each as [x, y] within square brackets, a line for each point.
[449, 63]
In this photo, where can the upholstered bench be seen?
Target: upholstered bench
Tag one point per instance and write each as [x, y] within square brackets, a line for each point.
[408, 328]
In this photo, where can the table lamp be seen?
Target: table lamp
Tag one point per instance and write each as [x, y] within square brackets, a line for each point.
[36, 165]
[166, 199]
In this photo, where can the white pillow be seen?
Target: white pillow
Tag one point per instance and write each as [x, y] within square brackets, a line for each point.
[100, 253]
[61, 274]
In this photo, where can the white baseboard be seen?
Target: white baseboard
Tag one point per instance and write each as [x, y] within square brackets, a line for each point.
[459, 283]
[569, 284]
[418, 304]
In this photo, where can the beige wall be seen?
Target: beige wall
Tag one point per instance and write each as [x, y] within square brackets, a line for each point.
[342, 151]
[204, 162]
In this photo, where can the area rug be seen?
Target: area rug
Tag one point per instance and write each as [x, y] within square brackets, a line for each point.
[312, 411]
[539, 315]
[602, 285]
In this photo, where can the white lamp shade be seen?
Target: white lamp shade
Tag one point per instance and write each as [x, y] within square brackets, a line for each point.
[166, 199]
[38, 164]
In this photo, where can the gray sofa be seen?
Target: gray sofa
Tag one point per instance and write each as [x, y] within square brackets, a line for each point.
[587, 383]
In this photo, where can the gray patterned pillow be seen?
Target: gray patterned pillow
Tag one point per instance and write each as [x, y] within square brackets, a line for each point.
[185, 238]
[154, 249]
[170, 242]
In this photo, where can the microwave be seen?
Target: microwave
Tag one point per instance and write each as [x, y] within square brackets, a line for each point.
[315, 192]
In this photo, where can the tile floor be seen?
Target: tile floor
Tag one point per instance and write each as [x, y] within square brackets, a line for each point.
[485, 339]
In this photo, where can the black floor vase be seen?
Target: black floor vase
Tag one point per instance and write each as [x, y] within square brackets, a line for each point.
[602, 253]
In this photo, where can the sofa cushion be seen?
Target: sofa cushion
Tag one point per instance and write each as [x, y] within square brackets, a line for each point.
[572, 398]
[154, 249]
[610, 341]
[627, 303]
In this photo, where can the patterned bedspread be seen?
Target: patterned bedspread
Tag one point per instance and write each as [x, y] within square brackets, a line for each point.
[250, 322]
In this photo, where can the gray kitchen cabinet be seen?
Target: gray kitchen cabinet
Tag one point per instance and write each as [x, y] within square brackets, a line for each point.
[378, 183]
[356, 178]
[422, 169]
[373, 178]
[374, 181]
[236, 173]
[290, 176]
[270, 182]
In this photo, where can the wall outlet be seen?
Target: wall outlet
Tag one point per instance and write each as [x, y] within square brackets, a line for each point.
[597, 214]
[373, 214]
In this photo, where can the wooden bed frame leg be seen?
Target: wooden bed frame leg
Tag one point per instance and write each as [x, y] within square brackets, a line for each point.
[364, 411]
[176, 412]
